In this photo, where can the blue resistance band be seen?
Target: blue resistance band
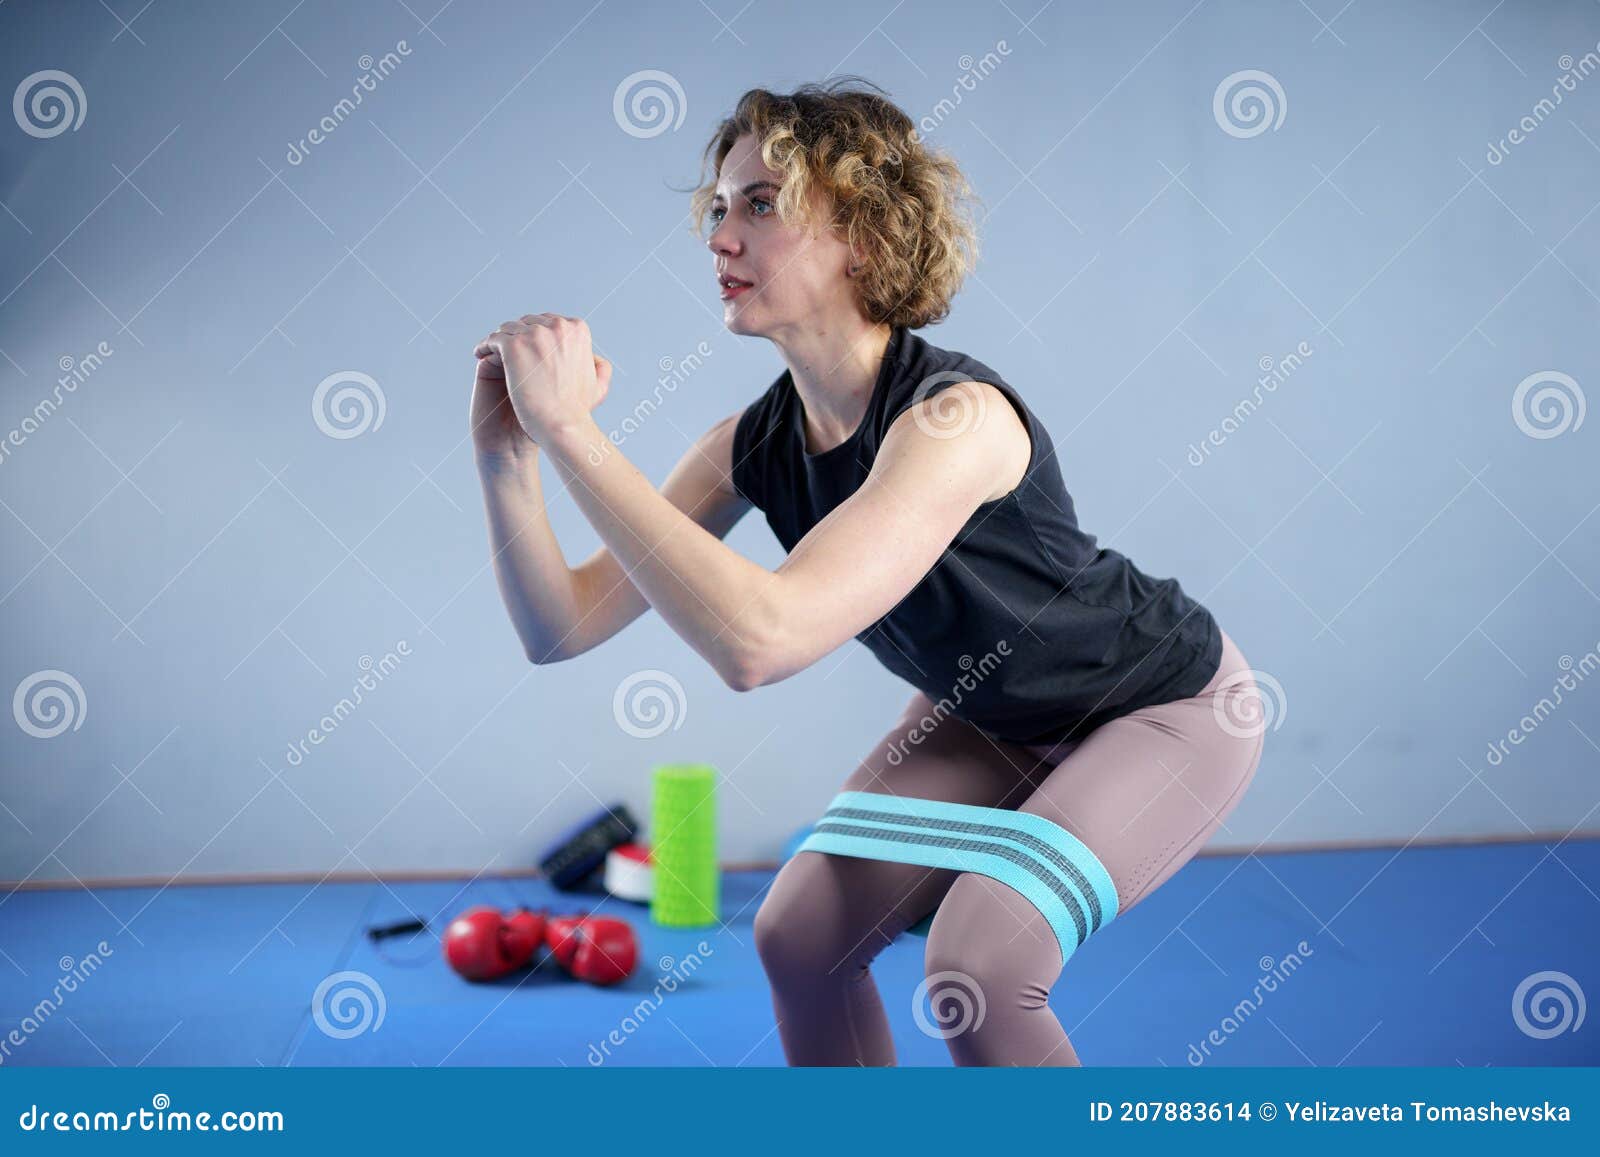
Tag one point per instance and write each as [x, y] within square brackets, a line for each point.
[1043, 861]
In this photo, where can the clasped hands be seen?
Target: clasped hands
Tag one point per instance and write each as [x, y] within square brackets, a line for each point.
[551, 376]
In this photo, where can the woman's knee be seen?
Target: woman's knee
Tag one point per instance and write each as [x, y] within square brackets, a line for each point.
[988, 943]
[776, 920]
[774, 935]
[799, 925]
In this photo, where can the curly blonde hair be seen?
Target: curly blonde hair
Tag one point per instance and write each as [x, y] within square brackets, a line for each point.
[901, 205]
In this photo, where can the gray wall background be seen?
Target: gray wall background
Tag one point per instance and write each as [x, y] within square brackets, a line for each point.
[1409, 558]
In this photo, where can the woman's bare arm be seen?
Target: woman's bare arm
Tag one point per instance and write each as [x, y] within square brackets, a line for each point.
[756, 625]
[560, 611]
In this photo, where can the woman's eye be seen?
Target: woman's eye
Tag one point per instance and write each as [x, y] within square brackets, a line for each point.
[718, 212]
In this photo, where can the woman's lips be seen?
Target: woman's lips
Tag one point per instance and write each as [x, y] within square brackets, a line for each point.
[729, 292]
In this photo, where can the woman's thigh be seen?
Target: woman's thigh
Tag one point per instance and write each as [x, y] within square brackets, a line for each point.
[853, 907]
[1146, 791]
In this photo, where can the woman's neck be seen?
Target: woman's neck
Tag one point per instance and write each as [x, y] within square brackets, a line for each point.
[834, 371]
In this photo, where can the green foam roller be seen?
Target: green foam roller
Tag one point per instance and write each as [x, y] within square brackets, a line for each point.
[683, 848]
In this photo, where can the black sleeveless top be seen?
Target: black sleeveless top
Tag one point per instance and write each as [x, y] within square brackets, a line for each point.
[1024, 628]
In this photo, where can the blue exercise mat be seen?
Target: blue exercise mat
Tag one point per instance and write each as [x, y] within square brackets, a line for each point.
[1410, 958]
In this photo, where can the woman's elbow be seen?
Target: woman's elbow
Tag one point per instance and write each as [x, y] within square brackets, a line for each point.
[764, 666]
[746, 670]
[541, 653]
[759, 658]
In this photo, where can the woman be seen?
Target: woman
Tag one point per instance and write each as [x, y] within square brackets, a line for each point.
[1024, 797]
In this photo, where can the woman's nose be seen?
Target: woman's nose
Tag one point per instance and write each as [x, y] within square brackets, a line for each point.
[722, 239]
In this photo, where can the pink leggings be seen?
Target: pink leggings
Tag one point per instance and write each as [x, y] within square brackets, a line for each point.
[1143, 792]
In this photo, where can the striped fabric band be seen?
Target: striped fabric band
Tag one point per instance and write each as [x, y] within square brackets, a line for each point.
[1043, 861]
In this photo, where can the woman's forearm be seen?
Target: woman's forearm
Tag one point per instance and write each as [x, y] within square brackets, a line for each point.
[534, 578]
[713, 597]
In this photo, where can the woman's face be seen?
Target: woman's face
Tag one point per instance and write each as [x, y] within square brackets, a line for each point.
[795, 273]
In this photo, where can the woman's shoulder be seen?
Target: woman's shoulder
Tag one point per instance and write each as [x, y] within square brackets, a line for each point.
[927, 370]
[930, 366]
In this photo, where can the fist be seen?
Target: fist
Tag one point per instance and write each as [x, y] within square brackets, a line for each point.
[553, 377]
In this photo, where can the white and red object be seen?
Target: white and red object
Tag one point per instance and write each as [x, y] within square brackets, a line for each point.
[630, 875]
